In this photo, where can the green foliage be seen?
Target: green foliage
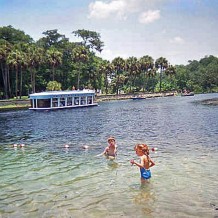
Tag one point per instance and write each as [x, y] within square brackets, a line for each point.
[91, 39]
[14, 36]
[28, 66]
[53, 86]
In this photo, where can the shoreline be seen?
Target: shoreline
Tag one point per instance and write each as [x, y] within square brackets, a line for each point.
[20, 104]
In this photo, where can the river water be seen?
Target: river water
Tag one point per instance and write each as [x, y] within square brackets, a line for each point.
[44, 179]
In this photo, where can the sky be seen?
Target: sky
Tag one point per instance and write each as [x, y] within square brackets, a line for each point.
[178, 30]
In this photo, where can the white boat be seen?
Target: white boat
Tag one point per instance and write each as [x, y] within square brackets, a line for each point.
[187, 94]
[138, 98]
[53, 100]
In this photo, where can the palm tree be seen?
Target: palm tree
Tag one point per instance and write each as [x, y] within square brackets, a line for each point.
[34, 59]
[14, 59]
[23, 64]
[54, 59]
[161, 64]
[23, 48]
[106, 69]
[146, 66]
[133, 69]
[80, 56]
[170, 71]
[5, 48]
[119, 66]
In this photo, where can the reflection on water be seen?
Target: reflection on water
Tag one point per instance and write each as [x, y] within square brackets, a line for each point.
[45, 179]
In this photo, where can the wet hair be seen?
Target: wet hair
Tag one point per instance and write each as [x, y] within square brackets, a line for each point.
[143, 147]
[111, 138]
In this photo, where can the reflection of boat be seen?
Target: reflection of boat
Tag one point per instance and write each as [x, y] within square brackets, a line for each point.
[62, 99]
[187, 94]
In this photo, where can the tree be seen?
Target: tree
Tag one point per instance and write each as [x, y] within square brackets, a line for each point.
[14, 36]
[15, 59]
[54, 59]
[52, 39]
[34, 60]
[5, 49]
[146, 66]
[170, 71]
[119, 66]
[133, 69]
[106, 69]
[80, 56]
[53, 86]
[91, 39]
[161, 64]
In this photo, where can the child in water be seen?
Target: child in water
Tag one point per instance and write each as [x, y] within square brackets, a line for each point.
[145, 163]
[111, 150]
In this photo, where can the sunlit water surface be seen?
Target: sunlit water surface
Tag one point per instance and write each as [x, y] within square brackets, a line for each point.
[44, 179]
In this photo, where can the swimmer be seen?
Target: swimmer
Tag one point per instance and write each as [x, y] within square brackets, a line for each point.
[85, 147]
[22, 145]
[145, 163]
[111, 150]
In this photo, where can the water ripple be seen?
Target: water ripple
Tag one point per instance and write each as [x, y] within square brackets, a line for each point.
[44, 179]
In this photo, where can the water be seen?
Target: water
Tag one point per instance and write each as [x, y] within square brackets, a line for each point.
[44, 179]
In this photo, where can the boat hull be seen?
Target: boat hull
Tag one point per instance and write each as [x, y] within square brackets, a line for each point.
[62, 108]
[188, 94]
[138, 98]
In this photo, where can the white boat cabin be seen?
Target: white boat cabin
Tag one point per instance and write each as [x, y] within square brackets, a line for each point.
[62, 99]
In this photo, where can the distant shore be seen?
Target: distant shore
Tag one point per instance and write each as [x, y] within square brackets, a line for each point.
[17, 104]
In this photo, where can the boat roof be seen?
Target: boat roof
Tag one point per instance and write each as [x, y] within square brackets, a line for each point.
[59, 93]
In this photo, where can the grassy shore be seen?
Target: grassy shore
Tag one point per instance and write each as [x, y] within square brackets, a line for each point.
[14, 104]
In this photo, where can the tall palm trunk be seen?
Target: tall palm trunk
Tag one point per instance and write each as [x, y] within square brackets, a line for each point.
[21, 81]
[160, 79]
[8, 78]
[106, 84]
[31, 79]
[78, 80]
[34, 81]
[5, 81]
[16, 86]
[53, 69]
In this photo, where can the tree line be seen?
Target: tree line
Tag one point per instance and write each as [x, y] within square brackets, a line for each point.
[55, 63]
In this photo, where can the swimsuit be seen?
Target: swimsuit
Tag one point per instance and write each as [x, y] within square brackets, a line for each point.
[145, 174]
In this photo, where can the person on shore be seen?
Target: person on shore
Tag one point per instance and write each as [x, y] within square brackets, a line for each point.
[111, 150]
[145, 163]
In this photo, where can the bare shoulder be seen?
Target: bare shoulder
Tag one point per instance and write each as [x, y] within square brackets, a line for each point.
[145, 158]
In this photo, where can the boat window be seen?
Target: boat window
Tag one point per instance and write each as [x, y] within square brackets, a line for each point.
[43, 103]
[83, 100]
[69, 101]
[76, 100]
[89, 99]
[54, 102]
[62, 102]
